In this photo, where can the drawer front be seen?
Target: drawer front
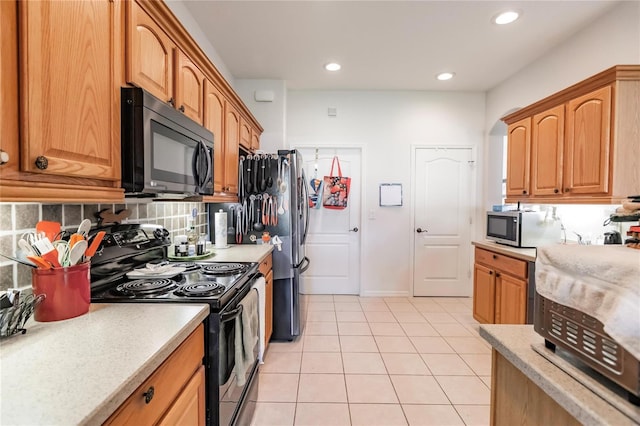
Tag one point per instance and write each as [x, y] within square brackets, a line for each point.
[504, 263]
[266, 265]
[167, 383]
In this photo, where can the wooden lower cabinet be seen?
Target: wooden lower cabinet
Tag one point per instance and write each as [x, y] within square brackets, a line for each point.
[266, 270]
[174, 393]
[516, 400]
[499, 288]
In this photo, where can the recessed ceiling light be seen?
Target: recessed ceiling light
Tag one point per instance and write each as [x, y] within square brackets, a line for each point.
[506, 17]
[445, 76]
[332, 66]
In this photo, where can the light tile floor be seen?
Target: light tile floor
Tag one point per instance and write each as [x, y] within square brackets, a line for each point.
[379, 361]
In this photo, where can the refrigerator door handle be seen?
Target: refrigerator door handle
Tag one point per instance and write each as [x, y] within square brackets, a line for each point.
[306, 208]
[304, 265]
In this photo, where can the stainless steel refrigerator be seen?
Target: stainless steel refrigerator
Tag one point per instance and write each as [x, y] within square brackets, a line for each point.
[291, 262]
[280, 177]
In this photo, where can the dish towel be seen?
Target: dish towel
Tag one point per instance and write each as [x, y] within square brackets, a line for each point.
[259, 287]
[601, 281]
[246, 336]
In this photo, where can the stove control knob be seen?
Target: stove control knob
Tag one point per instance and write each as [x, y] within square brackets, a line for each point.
[148, 395]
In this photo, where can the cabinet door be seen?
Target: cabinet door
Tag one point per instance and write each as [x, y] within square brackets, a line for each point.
[268, 326]
[214, 121]
[484, 294]
[255, 140]
[588, 146]
[511, 300]
[547, 152]
[69, 88]
[232, 143]
[149, 54]
[189, 87]
[518, 158]
[245, 134]
[189, 406]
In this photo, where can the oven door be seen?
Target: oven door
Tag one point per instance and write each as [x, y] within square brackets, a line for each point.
[236, 401]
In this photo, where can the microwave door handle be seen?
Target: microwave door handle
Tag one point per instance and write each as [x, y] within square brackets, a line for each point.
[209, 172]
[194, 167]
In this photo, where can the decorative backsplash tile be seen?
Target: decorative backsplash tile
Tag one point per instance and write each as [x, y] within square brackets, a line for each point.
[18, 218]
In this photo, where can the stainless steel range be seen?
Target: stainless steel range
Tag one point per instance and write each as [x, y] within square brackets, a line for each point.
[220, 285]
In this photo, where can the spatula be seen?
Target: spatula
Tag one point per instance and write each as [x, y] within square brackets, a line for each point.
[50, 229]
[47, 251]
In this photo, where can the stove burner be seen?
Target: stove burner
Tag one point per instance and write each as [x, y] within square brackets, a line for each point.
[146, 287]
[224, 268]
[200, 289]
[189, 266]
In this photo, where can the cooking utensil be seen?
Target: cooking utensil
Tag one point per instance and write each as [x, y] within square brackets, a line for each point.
[84, 228]
[26, 248]
[231, 230]
[63, 252]
[18, 260]
[95, 243]
[47, 251]
[239, 226]
[249, 183]
[50, 229]
[77, 252]
[40, 262]
[285, 174]
[263, 177]
[240, 180]
[281, 206]
[269, 177]
[256, 169]
[74, 238]
[265, 209]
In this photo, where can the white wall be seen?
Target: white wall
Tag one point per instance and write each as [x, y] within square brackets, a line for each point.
[385, 125]
[186, 19]
[612, 39]
[270, 115]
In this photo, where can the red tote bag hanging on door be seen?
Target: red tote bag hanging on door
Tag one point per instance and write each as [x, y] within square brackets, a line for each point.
[336, 188]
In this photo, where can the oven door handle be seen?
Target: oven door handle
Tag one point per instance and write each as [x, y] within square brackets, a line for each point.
[228, 316]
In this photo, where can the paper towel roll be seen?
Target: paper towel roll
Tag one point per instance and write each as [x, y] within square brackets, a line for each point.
[220, 226]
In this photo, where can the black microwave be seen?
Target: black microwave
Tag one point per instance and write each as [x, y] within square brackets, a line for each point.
[163, 151]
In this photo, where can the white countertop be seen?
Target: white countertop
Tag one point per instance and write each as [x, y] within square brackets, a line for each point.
[240, 253]
[80, 370]
[514, 343]
[528, 254]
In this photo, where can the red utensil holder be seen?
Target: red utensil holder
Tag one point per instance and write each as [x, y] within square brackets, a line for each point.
[67, 292]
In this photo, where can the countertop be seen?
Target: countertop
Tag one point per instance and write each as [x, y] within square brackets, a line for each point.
[514, 343]
[80, 370]
[240, 253]
[528, 254]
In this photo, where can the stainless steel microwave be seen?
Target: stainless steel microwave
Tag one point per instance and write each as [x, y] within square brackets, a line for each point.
[163, 151]
[522, 228]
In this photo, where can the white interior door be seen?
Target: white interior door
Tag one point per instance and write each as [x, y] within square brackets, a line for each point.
[442, 228]
[333, 240]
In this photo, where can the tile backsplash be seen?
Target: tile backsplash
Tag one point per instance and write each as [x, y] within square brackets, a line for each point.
[18, 218]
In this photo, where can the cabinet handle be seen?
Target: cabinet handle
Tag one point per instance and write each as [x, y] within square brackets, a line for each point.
[181, 108]
[172, 102]
[41, 162]
[4, 157]
[555, 191]
[148, 395]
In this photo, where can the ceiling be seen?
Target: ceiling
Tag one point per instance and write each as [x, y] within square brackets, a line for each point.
[386, 45]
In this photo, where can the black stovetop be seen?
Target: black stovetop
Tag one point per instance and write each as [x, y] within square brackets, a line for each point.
[134, 246]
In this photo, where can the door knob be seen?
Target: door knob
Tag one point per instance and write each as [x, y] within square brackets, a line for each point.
[420, 230]
[355, 229]
[4, 157]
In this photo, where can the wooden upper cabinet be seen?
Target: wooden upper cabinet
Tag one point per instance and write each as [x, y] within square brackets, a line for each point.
[518, 158]
[214, 118]
[245, 134]
[232, 133]
[547, 152]
[255, 139]
[69, 88]
[149, 54]
[189, 87]
[588, 144]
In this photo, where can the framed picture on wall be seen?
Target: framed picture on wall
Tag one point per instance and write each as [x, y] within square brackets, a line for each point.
[390, 194]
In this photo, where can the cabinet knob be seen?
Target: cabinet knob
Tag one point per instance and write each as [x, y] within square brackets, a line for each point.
[148, 395]
[497, 274]
[181, 108]
[172, 102]
[524, 192]
[490, 272]
[566, 190]
[495, 256]
[41, 162]
[555, 191]
[4, 157]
